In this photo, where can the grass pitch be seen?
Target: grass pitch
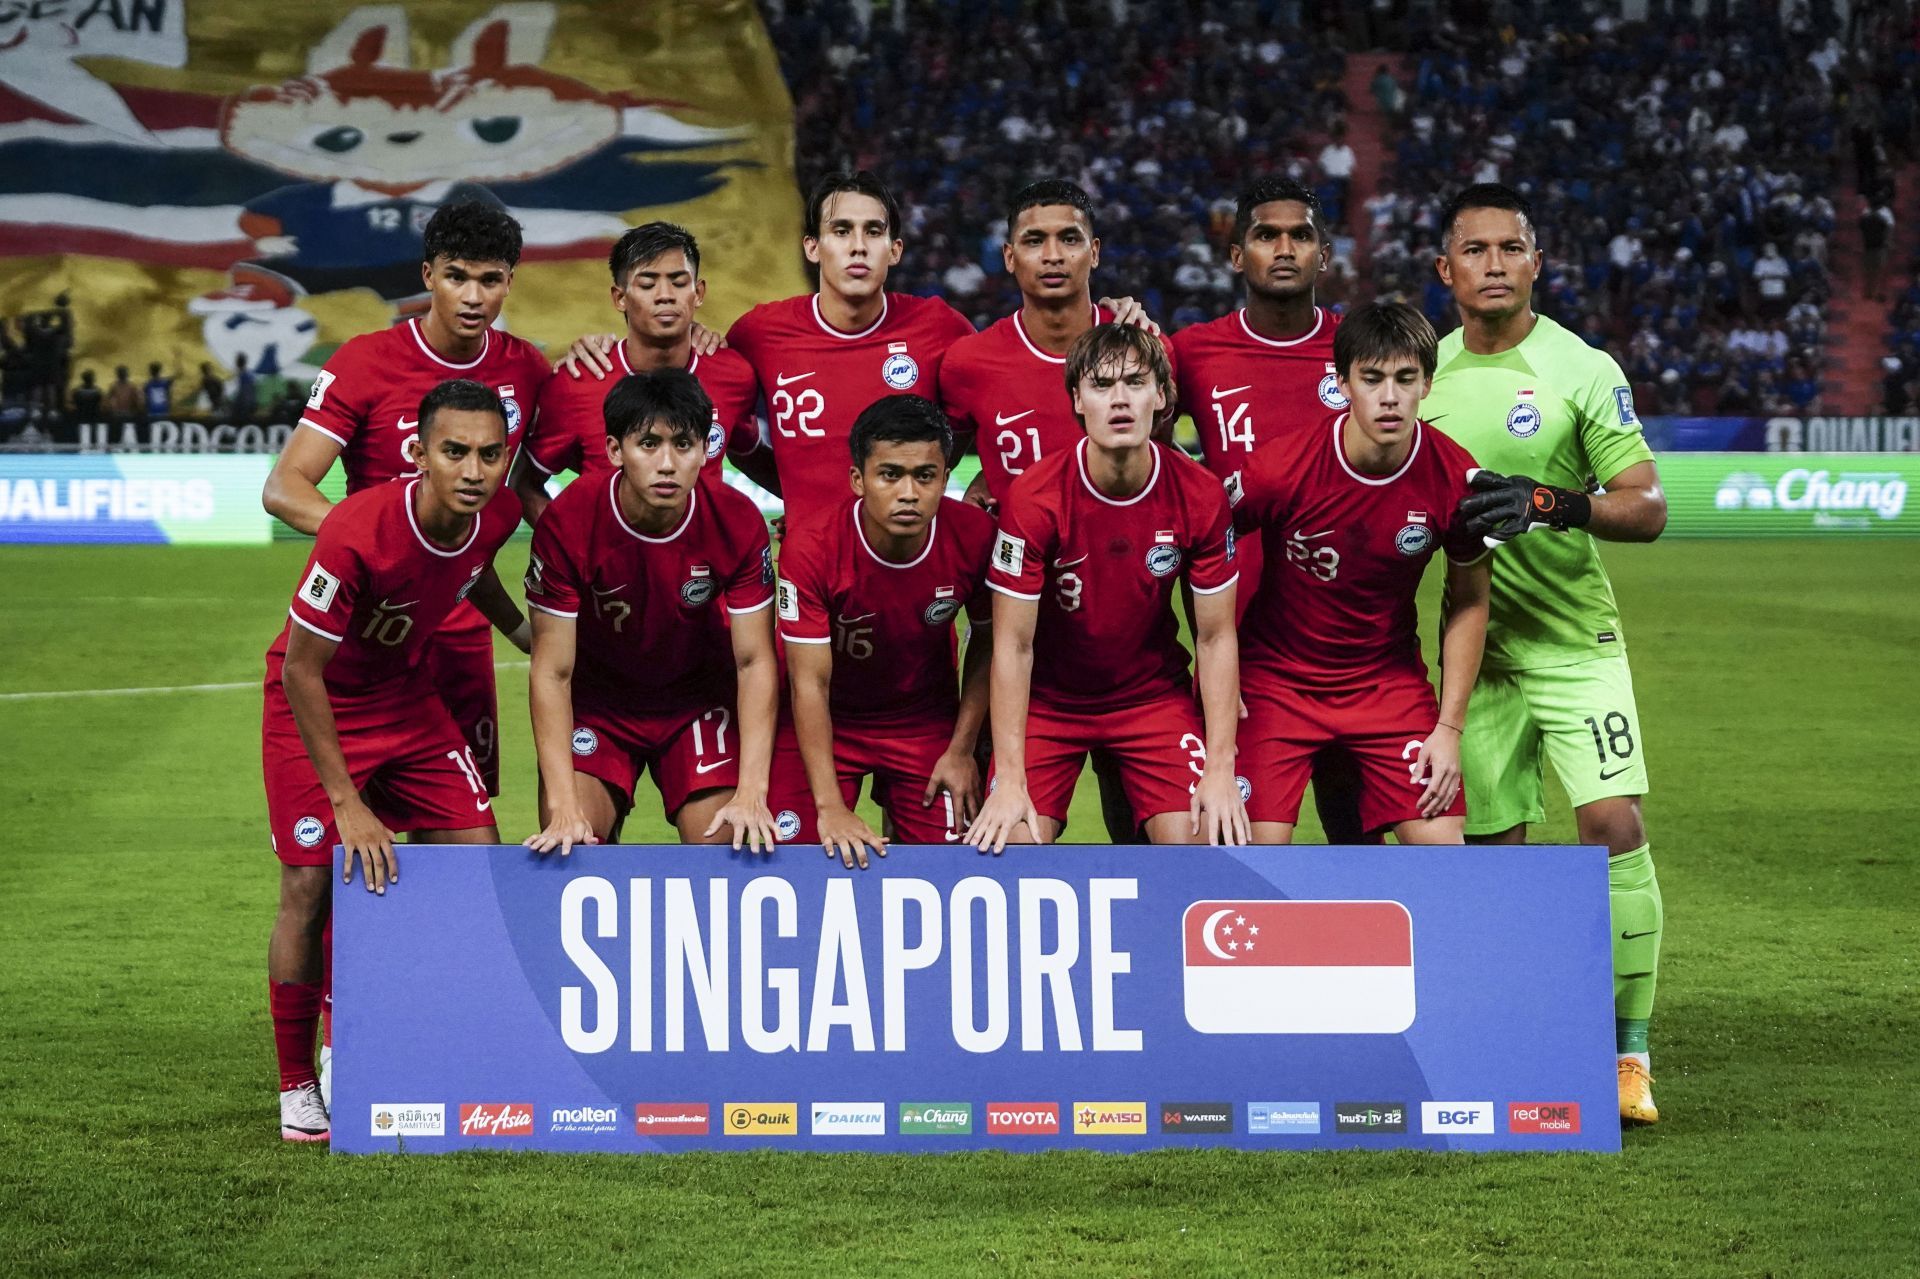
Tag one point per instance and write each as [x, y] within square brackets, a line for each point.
[1778, 691]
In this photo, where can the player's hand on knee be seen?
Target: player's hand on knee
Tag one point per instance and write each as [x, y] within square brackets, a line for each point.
[1001, 815]
[752, 823]
[958, 774]
[366, 839]
[564, 829]
[590, 354]
[843, 833]
[1438, 766]
[1218, 810]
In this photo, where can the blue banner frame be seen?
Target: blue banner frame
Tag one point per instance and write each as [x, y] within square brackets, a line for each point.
[1096, 998]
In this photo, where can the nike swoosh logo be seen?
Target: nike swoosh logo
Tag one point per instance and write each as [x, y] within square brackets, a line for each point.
[482, 805]
[1219, 394]
[849, 621]
[1069, 563]
[611, 590]
[1312, 537]
[783, 380]
[1607, 777]
[1630, 936]
[408, 423]
[704, 769]
[1002, 421]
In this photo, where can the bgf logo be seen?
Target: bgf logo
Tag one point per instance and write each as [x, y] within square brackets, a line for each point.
[1456, 1117]
[1544, 1116]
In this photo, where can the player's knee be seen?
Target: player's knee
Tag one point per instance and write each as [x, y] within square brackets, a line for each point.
[1614, 822]
[306, 892]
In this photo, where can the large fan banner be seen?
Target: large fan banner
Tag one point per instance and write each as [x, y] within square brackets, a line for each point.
[206, 181]
[1098, 998]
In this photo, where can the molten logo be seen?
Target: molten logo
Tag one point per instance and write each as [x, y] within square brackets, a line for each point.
[496, 1119]
[1012, 1118]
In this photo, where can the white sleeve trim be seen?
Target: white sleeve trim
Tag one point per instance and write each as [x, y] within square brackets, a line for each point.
[535, 462]
[1475, 560]
[751, 608]
[553, 612]
[1215, 590]
[307, 421]
[1007, 590]
[338, 639]
[802, 639]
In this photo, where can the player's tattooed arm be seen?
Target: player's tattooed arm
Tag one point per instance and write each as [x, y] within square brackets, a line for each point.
[842, 832]
[364, 836]
[957, 772]
[1632, 509]
[1217, 811]
[491, 598]
[1462, 642]
[550, 698]
[292, 493]
[1010, 684]
[758, 700]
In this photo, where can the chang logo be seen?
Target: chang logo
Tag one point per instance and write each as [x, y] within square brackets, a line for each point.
[1413, 539]
[308, 831]
[1162, 561]
[585, 741]
[899, 371]
[1523, 421]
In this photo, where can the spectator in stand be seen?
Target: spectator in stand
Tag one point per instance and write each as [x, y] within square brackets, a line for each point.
[1876, 232]
[157, 393]
[243, 393]
[123, 397]
[288, 405]
[1387, 93]
[86, 398]
[1336, 171]
[1771, 275]
[213, 392]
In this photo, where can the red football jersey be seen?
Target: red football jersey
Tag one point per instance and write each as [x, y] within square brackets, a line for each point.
[1011, 395]
[891, 625]
[379, 588]
[570, 431]
[1345, 554]
[818, 379]
[367, 398]
[1243, 390]
[1104, 573]
[652, 611]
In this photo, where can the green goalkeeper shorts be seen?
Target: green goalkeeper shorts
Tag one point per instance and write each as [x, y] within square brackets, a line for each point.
[1581, 717]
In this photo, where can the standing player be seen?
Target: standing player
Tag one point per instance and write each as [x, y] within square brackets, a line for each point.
[1264, 373]
[868, 597]
[652, 635]
[1355, 510]
[1086, 654]
[354, 744]
[362, 411]
[1554, 420]
[657, 287]
[824, 357]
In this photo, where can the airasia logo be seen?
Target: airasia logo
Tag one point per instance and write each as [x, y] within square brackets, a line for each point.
[496, 1119]
[1006, 1117]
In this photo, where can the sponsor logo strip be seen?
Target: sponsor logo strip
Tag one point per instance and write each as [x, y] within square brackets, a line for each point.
[1369, 1116]
[1196, 1116]
[1276, 1117]
[942, 1118]
[848, 1119]
[671, 1119]
[1544, 1117]
[496, 1119]
[761, 1118]
[409, 1119]
[1109, 1118]
[1451, 1117]
[1015, 1118]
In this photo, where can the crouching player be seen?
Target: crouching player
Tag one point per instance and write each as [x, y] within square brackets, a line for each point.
[1093, 541]
[652, 633]
[869, 592]
[355, 743]
[1350, 514]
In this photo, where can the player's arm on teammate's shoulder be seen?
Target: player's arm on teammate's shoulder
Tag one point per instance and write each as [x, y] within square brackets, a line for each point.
[1010, 684]
[292, 492]
[1217, 810]
[364, 836]
[550, 699]
[590, 355]
[1463, 640]
[957, 772]
[758, 701]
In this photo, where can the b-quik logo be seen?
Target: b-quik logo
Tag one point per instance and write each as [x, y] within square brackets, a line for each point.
[409, 1119]
[583, 1119]
[496, 1119]
[1449, 1117]
[1544, 1116]
[761, 1118]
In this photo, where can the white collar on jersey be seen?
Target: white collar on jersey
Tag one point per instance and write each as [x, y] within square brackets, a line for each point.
[693, 359]
[1340, 453]
[1319, 318]
[869, 331]
[1034, 348]
[613, 499]
[1080, 458]
[413, 522]
[860, 531]
[486, 344]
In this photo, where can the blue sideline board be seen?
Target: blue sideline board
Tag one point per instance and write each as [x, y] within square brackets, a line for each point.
[643, 999]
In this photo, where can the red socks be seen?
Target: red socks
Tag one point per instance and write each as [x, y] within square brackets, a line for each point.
[296, 1007]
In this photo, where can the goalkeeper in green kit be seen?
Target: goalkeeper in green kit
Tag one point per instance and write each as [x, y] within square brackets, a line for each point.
[1552, 421]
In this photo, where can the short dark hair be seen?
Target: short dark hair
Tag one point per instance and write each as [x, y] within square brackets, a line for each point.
[1380, 331]
[1484, 195]
[1269, 189]
[1049, 191]
[1105, 344]
[643, 244]
[672, 397]
[851, 182]
[462, 395]
[899, 419]
[471, 231]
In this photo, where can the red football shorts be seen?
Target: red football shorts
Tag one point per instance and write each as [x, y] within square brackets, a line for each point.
[460, 664]
[686, 751]
[404, 754]
[1159, 749]
[898, 757]
[1382, 726]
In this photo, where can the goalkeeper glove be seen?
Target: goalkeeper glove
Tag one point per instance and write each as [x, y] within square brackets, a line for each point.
[1502, 507]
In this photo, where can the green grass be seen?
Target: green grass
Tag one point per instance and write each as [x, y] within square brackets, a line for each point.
[1777, 687]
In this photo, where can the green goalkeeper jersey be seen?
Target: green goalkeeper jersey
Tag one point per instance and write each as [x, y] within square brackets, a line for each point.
[1554, 409]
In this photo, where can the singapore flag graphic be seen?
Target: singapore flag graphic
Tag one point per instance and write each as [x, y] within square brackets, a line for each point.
[1298, 967]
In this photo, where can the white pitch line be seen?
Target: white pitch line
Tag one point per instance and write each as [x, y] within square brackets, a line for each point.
[57, 694]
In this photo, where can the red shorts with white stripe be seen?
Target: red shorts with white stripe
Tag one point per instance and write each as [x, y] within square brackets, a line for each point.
[403, 753]
[1381, 724]
[1159, 749]
[687, 751]
[460, 664]
[898, 757]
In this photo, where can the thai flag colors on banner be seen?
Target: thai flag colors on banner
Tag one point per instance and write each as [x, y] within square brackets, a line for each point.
[1299, 967]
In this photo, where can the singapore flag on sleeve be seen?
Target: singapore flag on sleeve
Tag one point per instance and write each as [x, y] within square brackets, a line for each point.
[1298, 967]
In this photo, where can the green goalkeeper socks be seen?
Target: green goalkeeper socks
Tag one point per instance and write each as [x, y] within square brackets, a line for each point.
[1634, 893]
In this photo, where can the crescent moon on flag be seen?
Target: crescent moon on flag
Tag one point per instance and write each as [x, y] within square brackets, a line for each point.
[1206, 933]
